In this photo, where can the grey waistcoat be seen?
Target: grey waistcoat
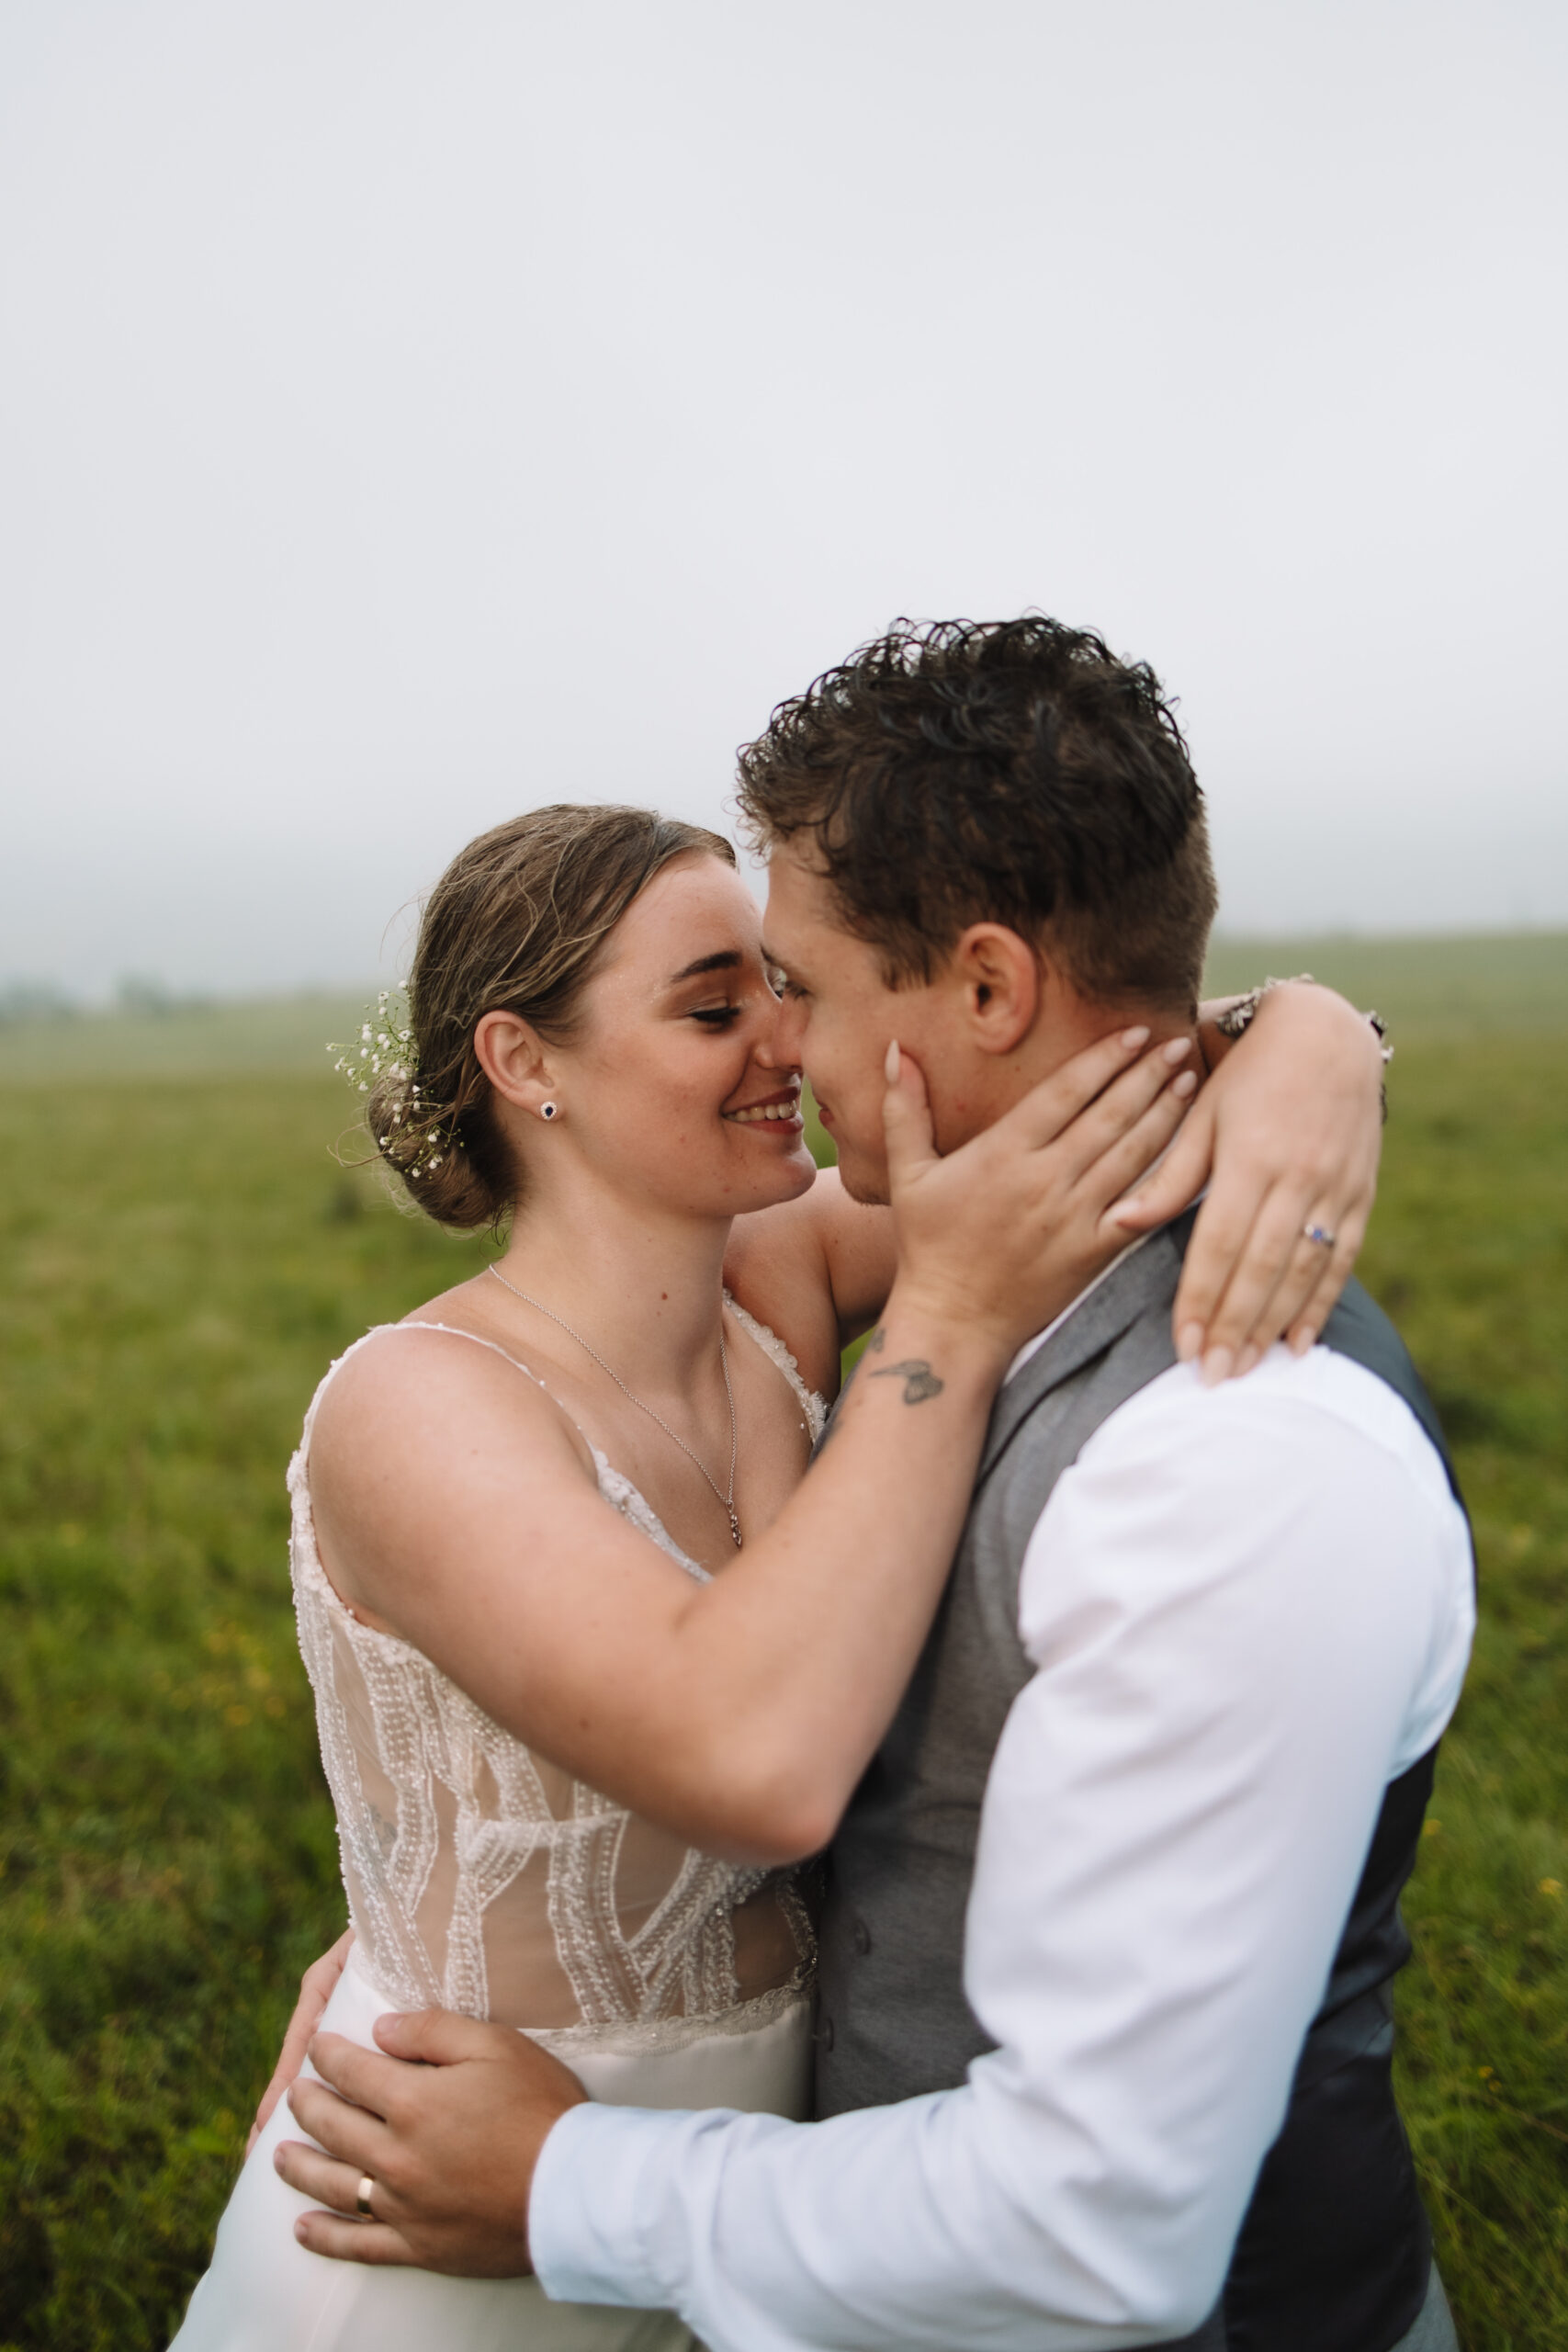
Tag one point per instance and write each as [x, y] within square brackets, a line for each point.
[1335, 2253]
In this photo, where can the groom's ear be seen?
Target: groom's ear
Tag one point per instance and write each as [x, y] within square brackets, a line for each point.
[1002, 981]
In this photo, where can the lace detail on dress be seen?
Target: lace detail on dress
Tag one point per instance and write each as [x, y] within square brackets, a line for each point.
[814, 1406]
[484, 1879]
[653, 2034]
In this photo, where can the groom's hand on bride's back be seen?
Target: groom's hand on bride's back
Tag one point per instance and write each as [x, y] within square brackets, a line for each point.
[447, 2129]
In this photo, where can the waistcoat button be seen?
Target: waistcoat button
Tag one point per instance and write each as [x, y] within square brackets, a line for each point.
[860, 1936]
[825, 2033]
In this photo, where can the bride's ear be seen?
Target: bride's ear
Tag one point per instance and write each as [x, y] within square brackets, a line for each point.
[515, 1060]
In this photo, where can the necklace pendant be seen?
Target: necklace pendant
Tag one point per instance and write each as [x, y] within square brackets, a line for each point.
[734, 1526]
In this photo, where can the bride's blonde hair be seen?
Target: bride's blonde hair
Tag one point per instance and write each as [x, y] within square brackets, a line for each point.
[517, 924]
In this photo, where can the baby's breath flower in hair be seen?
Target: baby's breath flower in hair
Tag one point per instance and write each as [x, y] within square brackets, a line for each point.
[385, 1056]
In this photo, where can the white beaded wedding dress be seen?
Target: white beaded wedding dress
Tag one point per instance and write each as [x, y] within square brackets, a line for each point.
[483, 1879]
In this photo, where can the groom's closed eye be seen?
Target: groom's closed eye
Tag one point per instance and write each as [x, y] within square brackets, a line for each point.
[781, 979]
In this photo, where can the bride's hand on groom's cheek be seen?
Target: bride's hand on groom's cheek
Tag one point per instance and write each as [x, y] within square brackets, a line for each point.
[1286, 1134]
[447, 2131]
[1004, 1231]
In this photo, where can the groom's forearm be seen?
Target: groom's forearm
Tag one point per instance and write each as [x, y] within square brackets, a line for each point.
[896, 2229]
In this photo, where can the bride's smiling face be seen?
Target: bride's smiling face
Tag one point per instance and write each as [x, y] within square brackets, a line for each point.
[670, 1089]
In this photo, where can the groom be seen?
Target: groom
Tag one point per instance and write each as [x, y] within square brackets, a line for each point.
[1105, 2036]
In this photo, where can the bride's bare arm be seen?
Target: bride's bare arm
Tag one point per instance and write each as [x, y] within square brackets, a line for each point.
[1289, 1131]
[452, 1501]
[817, 1269]
[1286, 1134]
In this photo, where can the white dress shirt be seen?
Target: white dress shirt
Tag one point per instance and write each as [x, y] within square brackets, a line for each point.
[1248, 1609]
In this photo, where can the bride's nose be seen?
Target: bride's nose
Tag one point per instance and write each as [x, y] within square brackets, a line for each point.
[772, 1047]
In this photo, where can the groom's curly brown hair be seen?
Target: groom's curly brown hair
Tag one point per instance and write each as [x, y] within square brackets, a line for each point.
[1013, 771]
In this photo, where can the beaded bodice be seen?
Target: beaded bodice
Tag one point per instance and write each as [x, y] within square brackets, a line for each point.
[485, 1879]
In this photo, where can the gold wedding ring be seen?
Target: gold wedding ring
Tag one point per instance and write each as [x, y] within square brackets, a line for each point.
[363, 2200]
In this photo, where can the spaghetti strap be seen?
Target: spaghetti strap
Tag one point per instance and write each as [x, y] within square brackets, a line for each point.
[455, 1331]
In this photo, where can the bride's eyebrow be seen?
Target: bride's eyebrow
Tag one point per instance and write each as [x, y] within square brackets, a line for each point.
[728, 959]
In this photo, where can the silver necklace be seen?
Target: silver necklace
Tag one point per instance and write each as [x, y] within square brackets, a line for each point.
[726, 1499]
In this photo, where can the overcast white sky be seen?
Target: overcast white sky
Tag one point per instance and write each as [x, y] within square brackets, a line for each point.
[414, 410]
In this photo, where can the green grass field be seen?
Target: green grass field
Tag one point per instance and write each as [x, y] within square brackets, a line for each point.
[1508, 983]
[182, 1257]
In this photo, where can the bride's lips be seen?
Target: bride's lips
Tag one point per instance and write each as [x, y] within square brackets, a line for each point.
[775, 1114]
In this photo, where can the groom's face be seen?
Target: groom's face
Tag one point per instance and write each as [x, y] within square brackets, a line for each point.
[838, 1018]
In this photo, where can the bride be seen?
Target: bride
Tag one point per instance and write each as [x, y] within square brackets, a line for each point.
[593, 1665]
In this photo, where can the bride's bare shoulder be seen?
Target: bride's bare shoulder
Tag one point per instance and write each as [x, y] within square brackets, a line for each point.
[435, 1381]
[423, 1443]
